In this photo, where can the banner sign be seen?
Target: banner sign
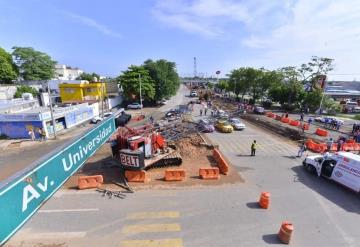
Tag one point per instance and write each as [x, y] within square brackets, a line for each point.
[23, 196]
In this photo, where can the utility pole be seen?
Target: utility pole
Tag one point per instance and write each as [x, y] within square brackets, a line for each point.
[51, 110]
[140, 93]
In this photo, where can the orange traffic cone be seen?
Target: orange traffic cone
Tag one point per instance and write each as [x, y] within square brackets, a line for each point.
[285, 232]
[264, 201]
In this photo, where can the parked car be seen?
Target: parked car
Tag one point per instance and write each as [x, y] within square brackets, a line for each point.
[221, 114]
[224, 126]
[162, 102]
[206, 126]
[328, 120]
[134, 106]
[172, 115]
[122, 120]
[98, 119]
[259, 110]
[237, 124]
[193, 94]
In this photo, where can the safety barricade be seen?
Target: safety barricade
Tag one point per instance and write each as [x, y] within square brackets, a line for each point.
[315, 147]
[285, 232]
[136, 176]
[270, 114]
[348, 147]
[174, 175]
[356, 146]
[264, 200]
[285, 120]
[350, 141]
[221, 162]
[321, 132]
[277, 117]
[89, 182]
[209, 173]
[294, 123]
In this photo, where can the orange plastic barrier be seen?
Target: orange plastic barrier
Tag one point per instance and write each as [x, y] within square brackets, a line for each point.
[356, 146]
[349, 147]
[285, 120]
[350, 141]
[264, 200]
[270, 114]
[174, 175]
[209, 173]
[321, 132]
[223, 165]
[285, 232]
[294, 123]
[89, 182]
[278, 117]
[319, 148]
[136, 176]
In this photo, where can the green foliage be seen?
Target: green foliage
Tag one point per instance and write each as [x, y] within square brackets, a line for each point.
[210, 85]
[312, 99]
[130, 83]
[223, 84]
[24, 89]
[331, 105]
[357, 117]
[88, 77]
[8, 71]
[165, 77]
[32, 64]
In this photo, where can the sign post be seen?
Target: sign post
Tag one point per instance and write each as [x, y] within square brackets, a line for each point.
[22, 197]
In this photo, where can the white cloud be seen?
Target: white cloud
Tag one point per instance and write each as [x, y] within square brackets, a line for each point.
[93, 24]
[324, 28]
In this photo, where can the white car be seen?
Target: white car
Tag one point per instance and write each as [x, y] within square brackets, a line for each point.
[193, 94]
[237, 124]
[134, 106]
[99, 118]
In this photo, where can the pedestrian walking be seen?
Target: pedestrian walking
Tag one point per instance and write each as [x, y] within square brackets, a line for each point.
[301, 150]
[205, 110]
[42, 134]
[329, 144]
[286, 115]
[31, 134]
[340, 144]
[253, 148]
[200, 112]
[151, 119]
[302, 117]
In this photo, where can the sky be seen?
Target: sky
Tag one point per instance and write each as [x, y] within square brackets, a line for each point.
[108, 36]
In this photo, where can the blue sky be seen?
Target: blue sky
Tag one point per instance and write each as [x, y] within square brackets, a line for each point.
[109, 35]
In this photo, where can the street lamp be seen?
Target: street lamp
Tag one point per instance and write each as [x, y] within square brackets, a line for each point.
[140, 93]
[51, 110]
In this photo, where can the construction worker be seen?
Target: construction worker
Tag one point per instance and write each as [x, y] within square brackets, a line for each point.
[253, 148]
[201, 112]
[301, 150]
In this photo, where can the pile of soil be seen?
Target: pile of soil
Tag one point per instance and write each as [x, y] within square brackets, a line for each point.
[195, 154]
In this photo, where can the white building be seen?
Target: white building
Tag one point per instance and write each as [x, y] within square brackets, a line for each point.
[64, 72]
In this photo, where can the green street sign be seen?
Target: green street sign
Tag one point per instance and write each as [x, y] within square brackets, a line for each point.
[22, 197]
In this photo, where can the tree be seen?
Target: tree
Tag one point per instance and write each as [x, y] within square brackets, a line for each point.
[165, 77]
[88, 77]
[32, 64]
[24, 89]
[130, 83]
[238, 83]
[313, 70]
[223, 85]
[8, 71]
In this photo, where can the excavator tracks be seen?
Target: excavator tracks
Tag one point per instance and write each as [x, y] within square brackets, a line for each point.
[173, 159]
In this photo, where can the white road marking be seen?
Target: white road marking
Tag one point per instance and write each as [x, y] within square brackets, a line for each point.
[68, 210]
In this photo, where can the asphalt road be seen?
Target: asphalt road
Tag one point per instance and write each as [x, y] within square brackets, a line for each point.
[323, 213]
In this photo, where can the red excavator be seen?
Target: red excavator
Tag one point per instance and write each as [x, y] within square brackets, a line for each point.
[144, 148]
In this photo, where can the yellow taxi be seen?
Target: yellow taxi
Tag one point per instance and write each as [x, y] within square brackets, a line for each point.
[224, 126]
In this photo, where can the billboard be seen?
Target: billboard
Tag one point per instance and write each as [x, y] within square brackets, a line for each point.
[22, 197]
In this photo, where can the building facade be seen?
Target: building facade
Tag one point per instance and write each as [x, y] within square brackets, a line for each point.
[64, 72]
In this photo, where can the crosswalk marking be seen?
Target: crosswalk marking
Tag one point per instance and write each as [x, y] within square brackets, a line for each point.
[153, 215]
[151, 228]
[153, 243]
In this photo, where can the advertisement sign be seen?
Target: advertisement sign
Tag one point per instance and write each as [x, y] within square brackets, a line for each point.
[23, 196]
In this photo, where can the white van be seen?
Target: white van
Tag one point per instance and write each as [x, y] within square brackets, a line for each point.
[342, 167]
